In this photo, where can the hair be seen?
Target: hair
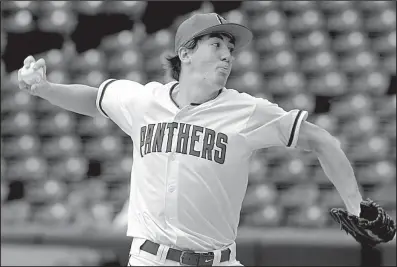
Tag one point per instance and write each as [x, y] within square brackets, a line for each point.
[173, 64]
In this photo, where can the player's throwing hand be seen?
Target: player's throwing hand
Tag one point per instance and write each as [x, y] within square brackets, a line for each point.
[32, 75]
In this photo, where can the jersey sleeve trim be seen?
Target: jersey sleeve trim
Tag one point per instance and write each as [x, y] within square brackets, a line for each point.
[101, 93]
[293, 138]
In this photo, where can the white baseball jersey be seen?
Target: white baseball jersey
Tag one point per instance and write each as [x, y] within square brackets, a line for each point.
[190, 170]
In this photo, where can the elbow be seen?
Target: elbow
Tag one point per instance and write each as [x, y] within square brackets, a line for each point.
[324, 141]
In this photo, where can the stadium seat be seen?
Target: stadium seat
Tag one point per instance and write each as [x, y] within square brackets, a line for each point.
[332, 7]
[312, 42]
[297, 6]
[20, 21]
[48, 191]
[374, 82]
[292, 171]
[126, 60]
[313, 216]
[134, 9]
[27, 168]
[62, 145]
[99, 126]
[385, 44]
[258, 196]
[16, 213]
[291, 82]
[92, 78]
[17, 101]
[301, 194]
[377, 173]
[357, 127]
[69, 168]
[125, 39]
[236, 16]
[272, 42]
[320, 62]
[18, 123]
[90, 7]
[21, 145]
[59, 76]
[381, 22]
[281, 61]
[350, 105]
[103, 214]
[60, 21]
[307, 21]
[373, 148]
[350, 41]
[52, 214]
[106, 147]
[257, 170]
[359, 62]
[385, 195]
[59, 123]
[91, 60]
[56, 59]
[374, 6]
[268, 21]
[155, 44]
[255, 7]
[268, 216]
[332, 83]
[345, 21]
[55, 5]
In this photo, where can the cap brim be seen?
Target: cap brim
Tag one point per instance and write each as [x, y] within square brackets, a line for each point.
[242, 34]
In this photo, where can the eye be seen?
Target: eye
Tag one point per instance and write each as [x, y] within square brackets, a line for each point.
[217, 45]
[231, 49]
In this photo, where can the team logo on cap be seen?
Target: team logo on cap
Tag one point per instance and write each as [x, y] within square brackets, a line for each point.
[220, 19]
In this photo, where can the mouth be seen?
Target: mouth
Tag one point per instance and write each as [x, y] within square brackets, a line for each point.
[223, 68]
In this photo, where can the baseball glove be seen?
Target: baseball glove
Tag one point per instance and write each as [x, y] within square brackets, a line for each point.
[374, 225]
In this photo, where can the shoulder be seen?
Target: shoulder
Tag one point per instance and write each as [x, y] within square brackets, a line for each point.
[233, 94]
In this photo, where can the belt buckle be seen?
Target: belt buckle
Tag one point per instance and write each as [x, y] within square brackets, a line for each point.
[189, 255]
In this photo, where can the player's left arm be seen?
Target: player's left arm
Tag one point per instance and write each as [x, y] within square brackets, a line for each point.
[334, 162]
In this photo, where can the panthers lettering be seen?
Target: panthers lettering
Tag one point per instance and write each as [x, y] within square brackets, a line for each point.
[191, 140]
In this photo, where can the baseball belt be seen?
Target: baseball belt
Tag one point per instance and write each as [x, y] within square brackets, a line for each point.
[187, 257]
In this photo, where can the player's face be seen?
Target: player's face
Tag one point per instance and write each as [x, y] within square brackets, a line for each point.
[213, 58]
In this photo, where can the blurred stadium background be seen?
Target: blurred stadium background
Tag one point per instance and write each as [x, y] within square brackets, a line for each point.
[65, 177]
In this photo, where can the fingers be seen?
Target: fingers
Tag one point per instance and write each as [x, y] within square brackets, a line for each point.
[39, 64]
[23, 86]
[28, 61]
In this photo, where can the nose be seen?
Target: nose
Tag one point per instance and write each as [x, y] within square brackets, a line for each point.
[226, 55]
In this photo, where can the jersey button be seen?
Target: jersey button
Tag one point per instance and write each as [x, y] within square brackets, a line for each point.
[171, 188]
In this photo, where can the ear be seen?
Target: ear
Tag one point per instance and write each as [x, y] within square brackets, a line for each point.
[184, 54]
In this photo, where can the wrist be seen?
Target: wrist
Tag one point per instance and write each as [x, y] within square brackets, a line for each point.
[42, 89]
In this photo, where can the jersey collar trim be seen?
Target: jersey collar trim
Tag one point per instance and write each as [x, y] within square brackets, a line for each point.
[193, 104]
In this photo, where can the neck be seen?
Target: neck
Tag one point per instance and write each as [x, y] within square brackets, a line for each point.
[187, 93]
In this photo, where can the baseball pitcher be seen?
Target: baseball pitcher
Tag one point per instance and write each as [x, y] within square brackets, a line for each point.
[192, 141]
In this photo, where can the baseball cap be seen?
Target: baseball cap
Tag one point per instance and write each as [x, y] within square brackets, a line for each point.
[202, 24]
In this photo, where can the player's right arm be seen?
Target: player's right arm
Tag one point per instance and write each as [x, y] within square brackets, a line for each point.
[77, 98]
[119, 100]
